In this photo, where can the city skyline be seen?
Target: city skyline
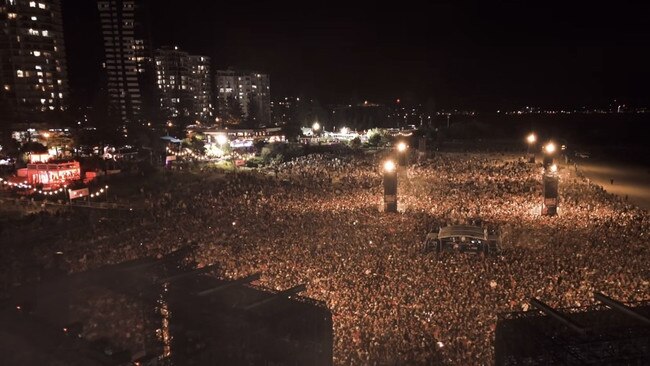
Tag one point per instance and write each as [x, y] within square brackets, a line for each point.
[33, 72]
[273, 183]
[502, 55]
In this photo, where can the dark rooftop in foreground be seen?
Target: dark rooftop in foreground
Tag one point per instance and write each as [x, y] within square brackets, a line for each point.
[151, 310]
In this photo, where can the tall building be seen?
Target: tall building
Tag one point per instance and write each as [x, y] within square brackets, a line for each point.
[184, 87]
[201, 83]
[250, 89]
[127, 59]
[33, 75]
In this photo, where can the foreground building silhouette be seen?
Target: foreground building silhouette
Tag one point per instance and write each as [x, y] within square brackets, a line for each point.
[610, 333]
[149, 311]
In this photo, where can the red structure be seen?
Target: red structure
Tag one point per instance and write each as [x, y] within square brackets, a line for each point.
[51, 175]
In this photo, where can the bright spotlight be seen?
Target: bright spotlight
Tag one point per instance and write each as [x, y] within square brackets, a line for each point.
[401, 147]
[531, 138]
[550, 148]
[222, 139]
[389, 166]
[315, 126]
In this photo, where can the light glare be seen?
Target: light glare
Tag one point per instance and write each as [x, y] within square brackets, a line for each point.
[550, 148]
[531, 138]
[389, 166]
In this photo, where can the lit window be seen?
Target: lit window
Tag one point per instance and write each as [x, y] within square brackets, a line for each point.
[32, 4]
[42, 101]
[19, 73]
[59, 82]
[7, 87]
[41, 5]
[38, 67]
[60, 95]
[37, 53]
[34, 18]
[11, 15]
[45, 34]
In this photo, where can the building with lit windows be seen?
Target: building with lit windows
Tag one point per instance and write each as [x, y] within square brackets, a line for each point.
[252, 90]
[284, 110]
[184, 86]
[33, 75]
[127, 59]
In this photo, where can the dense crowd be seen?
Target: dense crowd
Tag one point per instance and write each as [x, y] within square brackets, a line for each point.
[316, 220]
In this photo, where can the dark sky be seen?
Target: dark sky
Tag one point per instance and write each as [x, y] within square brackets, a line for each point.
[499, 54]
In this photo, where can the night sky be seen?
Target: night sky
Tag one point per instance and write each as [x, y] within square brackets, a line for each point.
[499, 54]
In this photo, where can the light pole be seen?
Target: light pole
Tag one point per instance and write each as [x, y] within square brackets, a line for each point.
[550, 191]
[222, 140]
[315, 128]
[549, 151]
[531, 139]
[390, 186]
[402, 153]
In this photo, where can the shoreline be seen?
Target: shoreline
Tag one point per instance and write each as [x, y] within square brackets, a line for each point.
[631, 182]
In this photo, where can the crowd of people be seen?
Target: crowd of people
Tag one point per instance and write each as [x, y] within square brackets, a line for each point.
[317, 220]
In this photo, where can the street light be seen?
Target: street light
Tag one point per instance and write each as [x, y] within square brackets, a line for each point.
[401, 147]
[402, 155]
[531, 139]
[389, 166]
[222, 139]
[550, 148]
[315, 126]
